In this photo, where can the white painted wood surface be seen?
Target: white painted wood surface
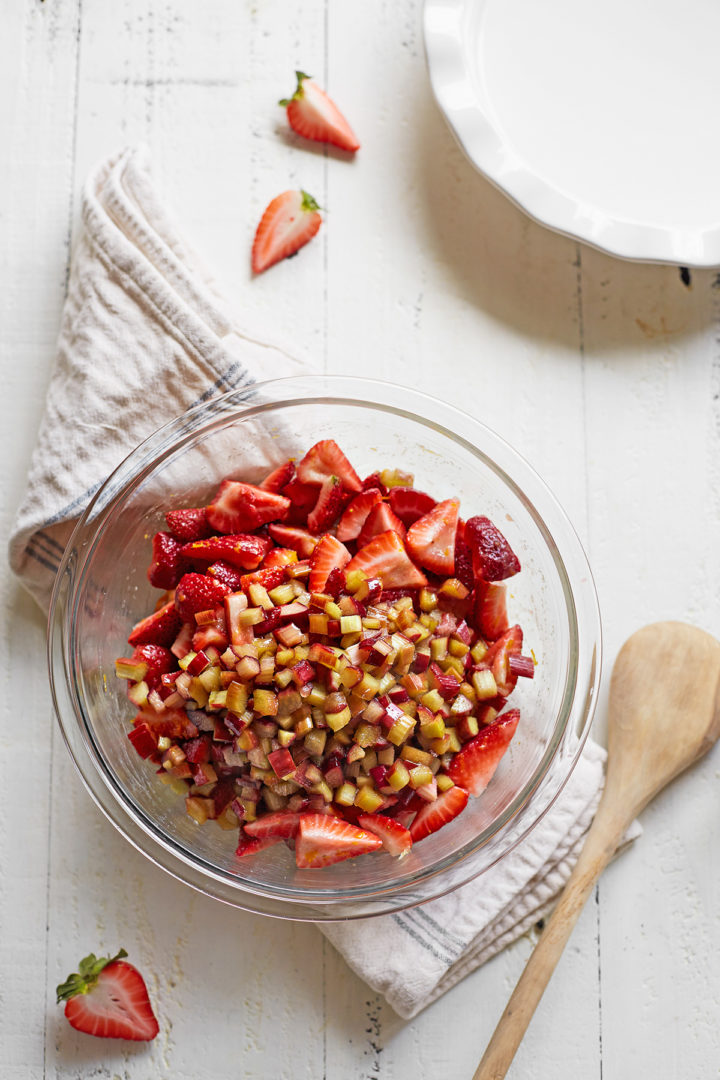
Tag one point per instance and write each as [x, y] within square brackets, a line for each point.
[605, 375]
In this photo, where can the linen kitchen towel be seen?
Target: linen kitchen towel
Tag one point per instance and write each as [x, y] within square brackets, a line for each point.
[142, 318]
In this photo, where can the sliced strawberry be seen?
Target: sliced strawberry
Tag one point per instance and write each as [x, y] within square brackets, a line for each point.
[302, 500]
[160, 628]
[325, 459]
[248, 845]
[167, 566]
[314, 115]
[380, 519]
[159, 662]
[463, 558]
[410, 504]
[279, 556]
[327, 509]
[323, 839]
[227, 574]
[269, 577]
[299, 540]
[197, 592]
[190, 524]
[431, 540]
[395, 837]
[241, 550]
[330, 554]
[498, 656]
[278, 478]
[493, 558]
[374, 480]
[434, 815]
[473, 767]
[242, 507]
[490, 609]
[282, 824]
[108, 998]
[288, 223]
[172, 723]
[355, 515]
[385, 557]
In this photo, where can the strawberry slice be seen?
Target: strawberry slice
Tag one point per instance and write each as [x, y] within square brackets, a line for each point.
[278, 478]
[410, 504]
[380, 519]
[242, 507]
[283, 824]
[355, 515]
[463, 558]
[323, 839]
[493, 558]
[166, 567]
[385, 557]
[279, 556]
[159, 662]
[289, 222]
[302, 500]
[269, 577]
[197, 592]
[325, 459]
[108, 998]
[395, 837]
[491, 609]
[299, 540]
[248, 845]
[227, 574]
[190, 524]
[313, 115]
[498, 659]
[331, 500]
[241, 550]
[435, 815]
[473, 767]
[160, 628]
[330, 554]
[431, 539]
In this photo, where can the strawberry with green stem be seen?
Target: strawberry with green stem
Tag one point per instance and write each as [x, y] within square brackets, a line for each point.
[312, 114]
[108, 998]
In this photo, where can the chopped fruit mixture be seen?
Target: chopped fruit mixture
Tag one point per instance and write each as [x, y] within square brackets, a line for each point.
[330, 662]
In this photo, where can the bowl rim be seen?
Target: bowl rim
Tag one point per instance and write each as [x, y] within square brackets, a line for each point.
[356, 901]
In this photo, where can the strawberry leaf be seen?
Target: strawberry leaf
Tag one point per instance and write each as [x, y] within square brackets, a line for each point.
[82, 981]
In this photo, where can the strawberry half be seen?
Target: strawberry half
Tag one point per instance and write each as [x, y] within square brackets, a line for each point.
[227, 574]
[356, 513]
[190, 524]
[108, 998]
[493, 558]
[491, 609]
[325, 459]
[380, 519]
[385, 557]
[315, 116]
[410, 504]
[303, 498]
[197, 592]
[283, 824]
[160, 628]
[473, 767]
[289, 222]
[166, 567]
[300, 540]
[395, 837]
[436, 814]
[239, 507]
[431, 540]
[241, 550]
[330, 554]
[278, 478]
[327, 509]
[323, 839]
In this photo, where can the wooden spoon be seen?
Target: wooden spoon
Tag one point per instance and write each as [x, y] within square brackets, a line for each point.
[664, 715]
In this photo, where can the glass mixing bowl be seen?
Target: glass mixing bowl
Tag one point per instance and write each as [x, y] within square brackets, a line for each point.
[102, 590]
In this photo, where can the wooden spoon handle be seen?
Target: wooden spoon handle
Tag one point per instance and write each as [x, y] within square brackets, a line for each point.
[600, 844]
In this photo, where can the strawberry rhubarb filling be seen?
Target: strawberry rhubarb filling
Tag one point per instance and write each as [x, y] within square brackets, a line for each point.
[331, 662]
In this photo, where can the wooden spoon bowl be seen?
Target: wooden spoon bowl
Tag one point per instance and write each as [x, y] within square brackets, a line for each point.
[664, 714]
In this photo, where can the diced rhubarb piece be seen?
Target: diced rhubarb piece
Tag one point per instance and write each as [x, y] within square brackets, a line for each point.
[190, 524]
[356, 513]
[144, 740]
[490, 609]
[524, 666]
[493, 558]
[279, 477]
[434, 815]
[167, 564]
[197, 592]
[473, 767]
[239, 508]
[282, 764]
[240, 549]
[160, 628]
[380, 519]
[323, 839]
[410, 504]
[326, 459]
[385, 558]
[328, 555]
[431, 539]
[300, 540]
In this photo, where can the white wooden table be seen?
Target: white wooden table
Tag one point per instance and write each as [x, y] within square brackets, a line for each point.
[605, 375]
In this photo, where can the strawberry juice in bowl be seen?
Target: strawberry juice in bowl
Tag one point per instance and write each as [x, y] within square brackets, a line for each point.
[103, 591]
